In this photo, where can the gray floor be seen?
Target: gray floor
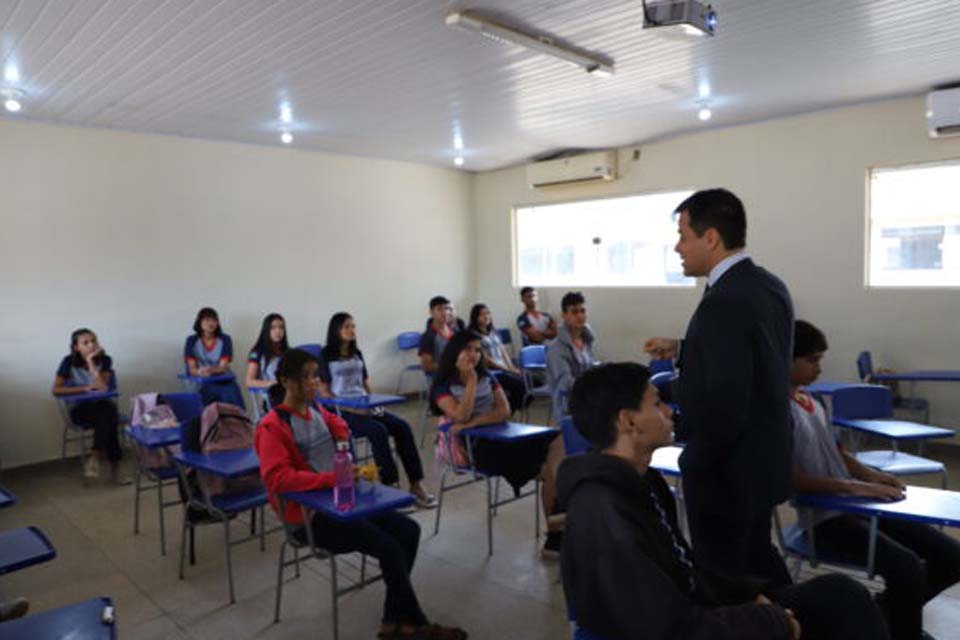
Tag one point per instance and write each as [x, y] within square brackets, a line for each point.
[511, 595]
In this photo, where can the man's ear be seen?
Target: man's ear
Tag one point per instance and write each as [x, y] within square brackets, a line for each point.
[714, 241]
[625, 423]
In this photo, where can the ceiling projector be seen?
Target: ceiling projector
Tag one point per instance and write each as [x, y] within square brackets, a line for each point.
[690, 16]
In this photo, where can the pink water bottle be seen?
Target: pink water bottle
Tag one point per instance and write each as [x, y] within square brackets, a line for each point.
[343, 475]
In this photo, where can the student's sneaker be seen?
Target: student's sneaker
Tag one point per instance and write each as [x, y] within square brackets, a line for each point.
[427, 501]
[91, 468]
[120, 477]
[16, 608]
[552, 546]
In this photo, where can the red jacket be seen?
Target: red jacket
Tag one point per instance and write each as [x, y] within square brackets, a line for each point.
[282, 466]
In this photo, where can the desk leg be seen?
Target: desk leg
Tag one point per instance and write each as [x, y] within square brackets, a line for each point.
[490, 502]
[872, 547]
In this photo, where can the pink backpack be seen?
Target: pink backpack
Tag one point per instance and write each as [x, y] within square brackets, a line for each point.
[146, 412]
[225, 427]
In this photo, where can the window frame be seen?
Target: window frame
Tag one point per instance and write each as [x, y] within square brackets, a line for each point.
[515, 242]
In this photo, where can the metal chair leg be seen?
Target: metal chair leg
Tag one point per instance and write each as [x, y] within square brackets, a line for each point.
[163, 527]
[276, 605]
[489, 519]
[440, 492]
[226, 535]
[183, 540]
[263, 529]
[333, 596]
[296, 561]
[363, 568]
[136, 502]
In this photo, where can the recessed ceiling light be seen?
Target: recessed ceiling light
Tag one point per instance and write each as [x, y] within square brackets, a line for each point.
[704, 114]
[458, 161]
[11, 99]
[286, 137]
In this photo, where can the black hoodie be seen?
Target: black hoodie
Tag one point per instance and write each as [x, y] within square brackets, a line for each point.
[623, 573]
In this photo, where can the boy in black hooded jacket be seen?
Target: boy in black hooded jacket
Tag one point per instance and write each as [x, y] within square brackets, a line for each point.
[628, 573]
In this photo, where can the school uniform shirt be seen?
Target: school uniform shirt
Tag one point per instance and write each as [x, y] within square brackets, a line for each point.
[345, 375]
[297, 455]
[208, 356]
[483, 398]
[433, 342]
[267, 365]
[539, 320]
[492, 347]
[815, 451]
[75, 376]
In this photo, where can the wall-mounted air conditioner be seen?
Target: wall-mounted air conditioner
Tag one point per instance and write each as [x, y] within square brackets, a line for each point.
[584, 168]
[943, 113]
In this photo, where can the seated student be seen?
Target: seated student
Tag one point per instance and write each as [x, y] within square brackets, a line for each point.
[208, 352]
[296, 442]
[465, 395]
[916, 560]
[89, 368]
[536, 327]
[441, 326]
[266, 353]
[495, 355]
[627, 570]
[343, 373]
[568, 356]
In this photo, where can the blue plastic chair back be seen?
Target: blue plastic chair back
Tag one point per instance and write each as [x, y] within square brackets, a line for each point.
[408, 340]
[863, 401]
[186, 406]
[505, 336]
[663, 379]
[533, 355]
[313, 348]
[865, 366]
[573, 440]
[661, 366]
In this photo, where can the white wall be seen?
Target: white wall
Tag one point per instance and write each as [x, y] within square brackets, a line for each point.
[802, 180]
[130, 234]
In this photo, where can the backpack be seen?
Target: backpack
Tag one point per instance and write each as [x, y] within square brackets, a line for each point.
[225, 427]
[150, 411]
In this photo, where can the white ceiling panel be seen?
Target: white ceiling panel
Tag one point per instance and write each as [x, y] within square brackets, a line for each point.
[387, 78]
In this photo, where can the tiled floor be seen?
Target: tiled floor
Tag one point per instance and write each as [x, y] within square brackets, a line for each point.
[511, 595]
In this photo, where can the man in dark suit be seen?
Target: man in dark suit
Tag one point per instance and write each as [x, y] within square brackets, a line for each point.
[733, 392]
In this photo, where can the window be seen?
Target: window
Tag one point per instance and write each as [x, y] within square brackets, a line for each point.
[914, 226]
[613, 242]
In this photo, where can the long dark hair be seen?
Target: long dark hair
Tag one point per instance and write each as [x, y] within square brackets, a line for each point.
[290, 366]
[265, 346]
[75, 358]
[475, 312]
[207, 312]
[447, 369]
[331, 351]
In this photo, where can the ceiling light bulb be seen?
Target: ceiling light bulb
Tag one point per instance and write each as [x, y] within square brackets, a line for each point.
[13, 106]
[286, 137]
[458, 161]
[704, 114]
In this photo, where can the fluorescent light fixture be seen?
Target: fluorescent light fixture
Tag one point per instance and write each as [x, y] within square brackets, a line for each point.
[705, 114]
[11, 74]
[286, 113]
[458, 161]
[693, 18]
[470, 21]
[11, 99]
[286, 137]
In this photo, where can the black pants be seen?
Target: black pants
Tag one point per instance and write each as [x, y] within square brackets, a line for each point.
[393, 540]
[103, 418]
[513, 388]
[730, 540]
[833, 607]
[916, 561]
[378, 430]
[517, 462]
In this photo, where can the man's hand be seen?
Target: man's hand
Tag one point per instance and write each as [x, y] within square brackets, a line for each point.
[662, 348]
[874, 490]
[795, 630]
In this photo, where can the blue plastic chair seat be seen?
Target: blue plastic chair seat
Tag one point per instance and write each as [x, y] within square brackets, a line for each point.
[239, 502]
[898, 463]
[163, 473]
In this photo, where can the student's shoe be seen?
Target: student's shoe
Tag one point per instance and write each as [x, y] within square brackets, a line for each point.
[121, 477]
[427, 501]
[16, 608]
[552, 546]
[91, 468]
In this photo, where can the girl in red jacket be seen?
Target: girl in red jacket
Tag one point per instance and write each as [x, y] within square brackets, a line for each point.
[296, 442]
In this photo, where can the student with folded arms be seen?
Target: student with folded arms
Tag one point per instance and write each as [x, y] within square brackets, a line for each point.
[628, 572]
[495, 355]
[441, 326]
[536, 327]
[343, 373]
[89, 368]
[208, 352]
[916, 561]
[295, 443]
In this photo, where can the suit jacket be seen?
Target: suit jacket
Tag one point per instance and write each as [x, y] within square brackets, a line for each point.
[734, 390]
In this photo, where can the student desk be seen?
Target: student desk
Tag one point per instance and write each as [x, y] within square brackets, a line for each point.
[23, 547]
[827, 387]
[161, 476]
[7, 499]
[88, 396]
[504, 432]
[370, 499]
[371, 401]
[895, 430]
[81, 621]
[226, 464]
[913, 377]
[666, 460]
[154, 438]
[220, 377]
[920, 504]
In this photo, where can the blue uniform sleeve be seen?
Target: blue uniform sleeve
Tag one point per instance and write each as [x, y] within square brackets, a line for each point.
[106, 363]
[63, 371]
[440, 390]
[324, 369]
[227, 351]
[426, 343]
[188, 348]
[254, 357]
[523, 322]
